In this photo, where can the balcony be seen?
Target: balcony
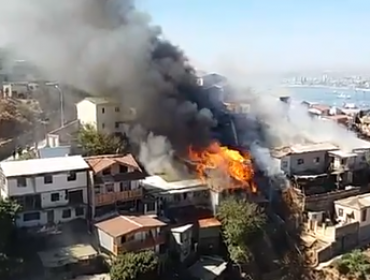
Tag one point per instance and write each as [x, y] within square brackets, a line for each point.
[110, 198]
[138, 245]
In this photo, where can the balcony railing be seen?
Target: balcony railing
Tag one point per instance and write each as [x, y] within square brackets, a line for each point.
[138, 245]
[109, 198]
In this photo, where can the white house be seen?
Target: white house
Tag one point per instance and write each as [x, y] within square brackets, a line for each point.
[181, 241]
[49, 190]
[355, 209]
[106, 115]
[301, 159]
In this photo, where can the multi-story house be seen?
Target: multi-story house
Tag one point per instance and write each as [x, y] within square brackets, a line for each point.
[106, 115]
[114, 185]
[130, 234]
[49, 190]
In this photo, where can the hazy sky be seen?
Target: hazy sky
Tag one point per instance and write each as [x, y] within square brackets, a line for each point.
[265, 35]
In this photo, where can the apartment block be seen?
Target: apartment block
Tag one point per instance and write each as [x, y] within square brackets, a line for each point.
[49, 190]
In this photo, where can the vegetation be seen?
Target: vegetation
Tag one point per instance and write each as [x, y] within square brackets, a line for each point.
[138, 266]
[241, 220]
[8, 213]
[354, 264]
[96, 143]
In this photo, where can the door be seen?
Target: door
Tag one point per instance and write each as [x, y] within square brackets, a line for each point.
[50, 216]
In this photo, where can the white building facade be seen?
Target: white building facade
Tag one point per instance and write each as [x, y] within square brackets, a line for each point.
[106, 115]
[49, 190]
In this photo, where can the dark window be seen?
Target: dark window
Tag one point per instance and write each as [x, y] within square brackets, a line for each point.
[363, 215]
[150, 206]
[109, 188]
[340, 212]
[79, 211]
[103, 110]
[71, 176]
[106, 171]
[66, 213]
[316, 160]
[123, 169]
[124, 186]
[300, 161]
[116, 109]
[48, 179]
[185, 195]
[21, 182]
[116, 124]
[34, 216]
[55, 197]
[103, 125]
[97, 189]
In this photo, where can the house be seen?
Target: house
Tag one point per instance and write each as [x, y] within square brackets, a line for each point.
[304, 159]
[106, 115]
[130, 234]
[208, 268]
[173, 192]
[115, 185]
[182, 242]
[355, 209]
[209, 235]
[49, 190]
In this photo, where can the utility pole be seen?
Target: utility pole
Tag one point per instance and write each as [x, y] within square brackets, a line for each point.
[61, 101]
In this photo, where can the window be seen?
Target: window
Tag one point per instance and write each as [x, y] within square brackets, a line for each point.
[55, 197]
[103, 125]
[150, 206]
[116, 124]
[48, 179]
[34, 216]
[106, 171]
[97, 189]
[116, 109]
[340, 212]
[363, 215]
[177, 197]
[103, 110]
[284, 164]
[71, 176]
[109, 188]
[124, 186]
[316, 160]
[66, 213]
[300, 161]
[21, 182]
[79, 211]
[185, 196]
[123, 169]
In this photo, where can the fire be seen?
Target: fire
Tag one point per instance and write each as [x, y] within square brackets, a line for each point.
[228, 161]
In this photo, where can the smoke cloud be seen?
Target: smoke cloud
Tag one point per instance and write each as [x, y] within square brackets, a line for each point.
[107, 47]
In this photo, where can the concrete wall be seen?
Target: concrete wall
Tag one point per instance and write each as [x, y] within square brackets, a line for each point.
[315, 162]
[323, 202]
[37, 185]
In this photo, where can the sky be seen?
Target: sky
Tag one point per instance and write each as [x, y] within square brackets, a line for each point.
[268, 35]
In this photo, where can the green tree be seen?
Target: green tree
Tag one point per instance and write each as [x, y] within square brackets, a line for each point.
[241, 220]
[355, 264]
[96, 143]
[8, 214]
[139, 266]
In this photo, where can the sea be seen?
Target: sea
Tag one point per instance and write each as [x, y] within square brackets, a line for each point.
[337, 97]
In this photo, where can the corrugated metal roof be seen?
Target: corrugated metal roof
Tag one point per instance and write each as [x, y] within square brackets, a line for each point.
[42, 166]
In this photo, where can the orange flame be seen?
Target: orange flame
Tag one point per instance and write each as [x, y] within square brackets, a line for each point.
[228, 161]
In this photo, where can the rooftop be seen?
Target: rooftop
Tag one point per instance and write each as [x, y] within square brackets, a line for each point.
[300, 149]
[160, 183]
[43, 166]
[99, 163]
[100, 100]
[342, 154]
[357, 202]
[122, 225]
[209, 222]
[208, 268]
[182, 229]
